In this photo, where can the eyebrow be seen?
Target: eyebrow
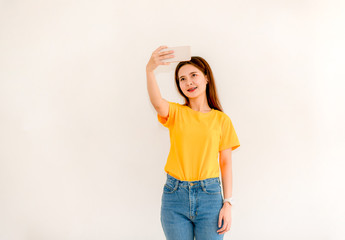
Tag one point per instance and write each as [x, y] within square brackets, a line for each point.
[189, 74]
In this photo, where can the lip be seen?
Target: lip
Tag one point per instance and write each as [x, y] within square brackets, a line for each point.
[192, 90]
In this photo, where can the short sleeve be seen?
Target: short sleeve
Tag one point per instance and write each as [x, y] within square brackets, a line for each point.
[169, 121]
[228, 136]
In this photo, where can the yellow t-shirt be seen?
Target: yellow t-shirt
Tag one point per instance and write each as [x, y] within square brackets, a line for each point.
[196, 139]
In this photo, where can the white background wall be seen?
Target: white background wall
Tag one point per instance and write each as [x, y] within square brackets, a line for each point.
[82, 152]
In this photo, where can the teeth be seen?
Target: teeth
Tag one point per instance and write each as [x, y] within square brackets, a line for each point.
[192, 89]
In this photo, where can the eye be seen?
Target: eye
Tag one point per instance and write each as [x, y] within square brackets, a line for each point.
[182, 79]
[194, 74]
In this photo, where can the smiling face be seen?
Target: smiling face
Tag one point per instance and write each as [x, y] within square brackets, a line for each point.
[191, 77]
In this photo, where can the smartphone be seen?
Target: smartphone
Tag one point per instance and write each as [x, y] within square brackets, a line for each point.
[181, 53]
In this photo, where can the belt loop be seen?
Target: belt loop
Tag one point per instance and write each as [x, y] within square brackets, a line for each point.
[176, 183]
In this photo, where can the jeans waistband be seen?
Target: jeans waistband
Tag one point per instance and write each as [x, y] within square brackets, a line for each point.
[176, 182]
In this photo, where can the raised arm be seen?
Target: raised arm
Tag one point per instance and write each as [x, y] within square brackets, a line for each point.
[160, 104]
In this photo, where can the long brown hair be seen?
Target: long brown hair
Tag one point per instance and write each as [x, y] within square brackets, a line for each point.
[211, 91]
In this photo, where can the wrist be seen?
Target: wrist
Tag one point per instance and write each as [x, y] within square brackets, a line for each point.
[149, 70]
[229, 200]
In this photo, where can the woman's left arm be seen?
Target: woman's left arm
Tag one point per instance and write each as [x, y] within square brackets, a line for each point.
[225, 163]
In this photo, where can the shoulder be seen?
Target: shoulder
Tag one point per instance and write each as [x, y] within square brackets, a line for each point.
[223, 119]
[176, 104]
[222, 115]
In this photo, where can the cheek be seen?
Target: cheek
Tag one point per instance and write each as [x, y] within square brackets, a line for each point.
[199, 81]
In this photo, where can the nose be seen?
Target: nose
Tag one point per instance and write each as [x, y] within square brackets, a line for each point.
[189, 81]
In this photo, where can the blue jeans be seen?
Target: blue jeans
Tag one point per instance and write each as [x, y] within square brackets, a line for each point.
[191, 209]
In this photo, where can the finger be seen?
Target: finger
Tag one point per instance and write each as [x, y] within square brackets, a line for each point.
[165, 53]
[166, 56]
[160, 48]
[226, 230]
[225, 225]
[220, 221]
[160, 62]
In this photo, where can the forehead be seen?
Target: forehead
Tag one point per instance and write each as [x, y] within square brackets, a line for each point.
[186, 69]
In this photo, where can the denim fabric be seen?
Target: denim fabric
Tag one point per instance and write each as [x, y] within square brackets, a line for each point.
[191, 209]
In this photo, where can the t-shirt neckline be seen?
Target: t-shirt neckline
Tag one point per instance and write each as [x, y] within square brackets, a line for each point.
[198, 112]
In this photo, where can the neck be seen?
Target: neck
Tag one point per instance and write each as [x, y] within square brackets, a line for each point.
[199, 104]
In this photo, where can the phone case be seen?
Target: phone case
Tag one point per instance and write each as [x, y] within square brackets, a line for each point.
[181, 53]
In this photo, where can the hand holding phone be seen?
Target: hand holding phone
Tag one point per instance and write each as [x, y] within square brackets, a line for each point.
[181, 53]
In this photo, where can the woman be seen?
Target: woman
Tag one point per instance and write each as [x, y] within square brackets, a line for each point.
[192, 201]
